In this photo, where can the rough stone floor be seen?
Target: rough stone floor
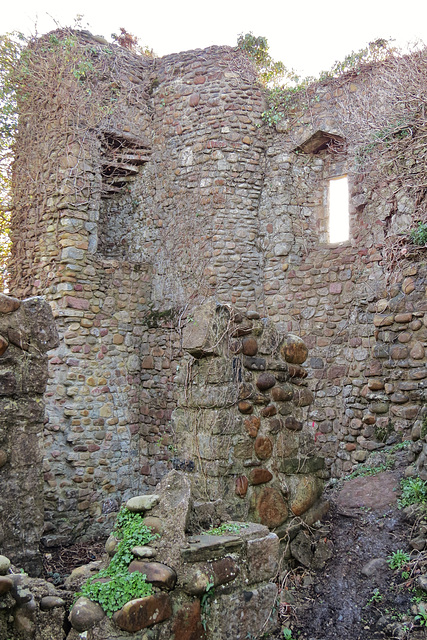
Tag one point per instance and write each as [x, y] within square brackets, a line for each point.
[357, 596]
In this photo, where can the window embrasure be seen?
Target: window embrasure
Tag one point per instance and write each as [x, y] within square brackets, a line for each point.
[338, 210]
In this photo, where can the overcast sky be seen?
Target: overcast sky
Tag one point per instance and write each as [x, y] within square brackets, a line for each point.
[306, 35]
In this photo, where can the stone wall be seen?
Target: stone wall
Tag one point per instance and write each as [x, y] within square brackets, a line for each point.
[176, 193]
[363, 320]
[27, 332]
[241, 425]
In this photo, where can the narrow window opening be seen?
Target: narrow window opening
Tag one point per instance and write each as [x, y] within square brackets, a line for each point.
[339, 222]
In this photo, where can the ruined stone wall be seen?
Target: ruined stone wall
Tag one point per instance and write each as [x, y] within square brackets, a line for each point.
[27, 332]
[363, 321]
[192, 212]
[122, 224]
[242, 421]
[178, 191]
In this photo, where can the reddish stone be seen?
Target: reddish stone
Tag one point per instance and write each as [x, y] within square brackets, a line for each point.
[224, 571]
[19, 339]
[194, 99]
[241, 487]
[270, 228]
[160, 575]
[6, 585]
[293, 424]
[295, 371]
[270, 508]
[306, 493]
[147, 362]
[145, 470]
[282, 394]
[252, 426]
[265, 381]
[3, 345]
[143, 612]
[8, 303]
[245, 407]
[249, 346]
[200, 80]
[269, 411]
[187, 624]
[417, 351]
[335, 287]
[260, 476]
[263, 447]
[303, 397]
[399, 353]
[294, 350]
[3, 458]
[76, 303]
[276, 425]
[336, 371]
[350, 446]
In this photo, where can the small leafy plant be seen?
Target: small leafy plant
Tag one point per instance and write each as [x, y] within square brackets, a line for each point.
[119, 589]
[205, 601]
[375, 597]
[414, 491]
[226, 527]
[421, 617]
[398, 559]
[419, 235]
[113, 586]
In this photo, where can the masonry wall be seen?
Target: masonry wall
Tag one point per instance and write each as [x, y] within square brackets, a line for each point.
[177, 192]
[27, 332]
[363, 321]
[122, 227]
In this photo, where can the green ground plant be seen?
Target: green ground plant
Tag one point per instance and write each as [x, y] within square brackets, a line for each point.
[120, 586]
[421, 617]
[226, 527]
[375, 598]
[414, 491]
[398, 559]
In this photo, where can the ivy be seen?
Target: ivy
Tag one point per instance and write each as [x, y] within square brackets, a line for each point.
[112, 595]
[11, 46]
[256, 47]
[113, 586]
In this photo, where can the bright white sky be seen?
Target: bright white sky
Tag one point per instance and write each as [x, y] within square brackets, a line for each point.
[306, 35]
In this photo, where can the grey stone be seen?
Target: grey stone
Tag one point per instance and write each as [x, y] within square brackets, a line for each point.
[144, 552]
[373, 567]
[139, 504]
[85, 614]
[4, 565]
[51, 602]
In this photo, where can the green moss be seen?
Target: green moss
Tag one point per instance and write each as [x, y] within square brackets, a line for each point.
[155, 318]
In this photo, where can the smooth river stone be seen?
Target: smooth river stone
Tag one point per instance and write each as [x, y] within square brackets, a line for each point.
[137, 504]
[143, 612]
[265, 381]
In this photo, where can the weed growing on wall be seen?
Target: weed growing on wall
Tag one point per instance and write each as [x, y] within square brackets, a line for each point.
[114, 586]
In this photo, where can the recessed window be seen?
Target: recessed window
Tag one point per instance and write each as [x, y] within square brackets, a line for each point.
[339, 224]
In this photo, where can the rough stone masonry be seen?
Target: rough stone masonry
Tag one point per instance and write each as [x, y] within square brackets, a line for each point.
[169, 189]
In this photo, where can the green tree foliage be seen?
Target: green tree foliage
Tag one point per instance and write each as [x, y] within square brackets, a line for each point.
[270, 72]
[11, 46]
